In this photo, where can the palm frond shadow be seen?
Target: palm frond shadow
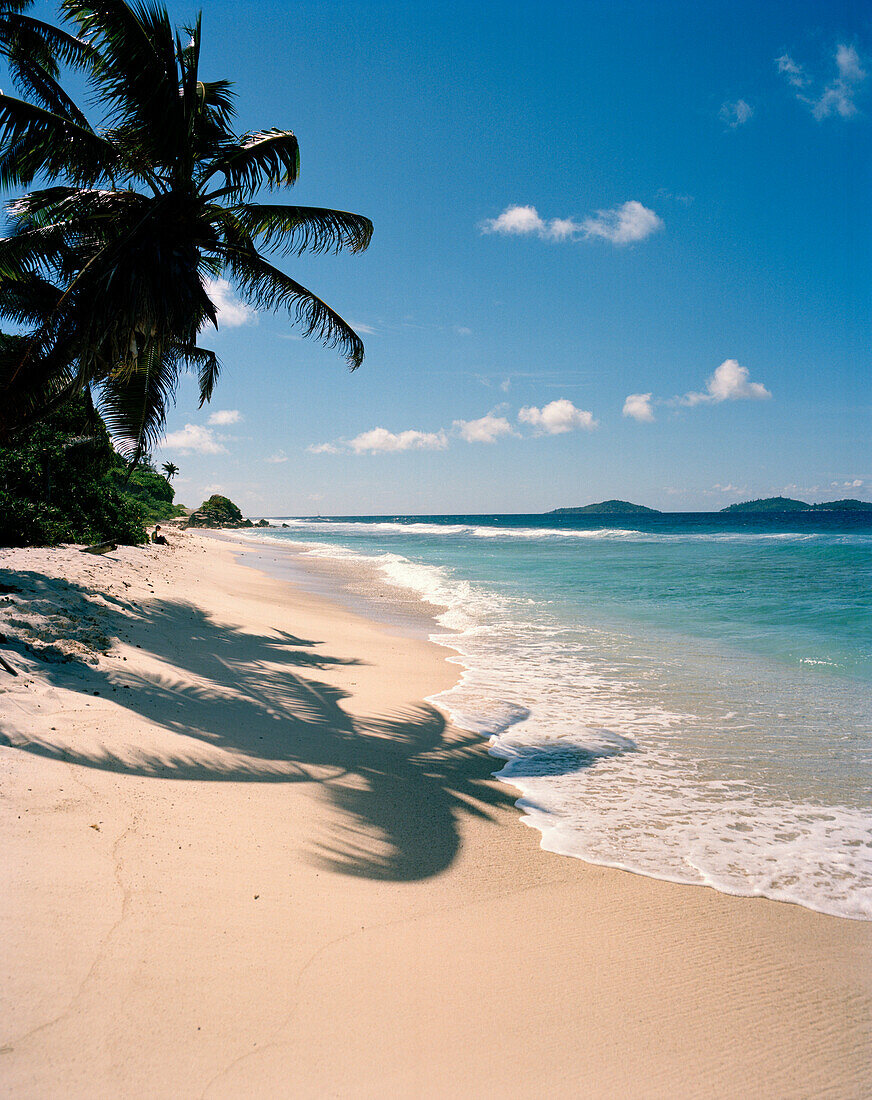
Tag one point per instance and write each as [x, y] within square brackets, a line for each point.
[245, 707]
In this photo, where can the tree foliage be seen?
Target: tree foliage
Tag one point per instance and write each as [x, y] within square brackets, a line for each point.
[63, 482]
[106, 269]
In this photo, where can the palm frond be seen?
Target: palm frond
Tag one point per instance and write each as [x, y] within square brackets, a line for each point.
[269, 288]
[270, 158]
[218, 101]
[298, 229]
[134, 403]
[49, 144]
[36, 375]
[106, 267]
[23, 35]
[136, 74]
[29, 300]
[208, 367]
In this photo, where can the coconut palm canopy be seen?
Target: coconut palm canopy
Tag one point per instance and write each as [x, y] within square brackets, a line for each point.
[105, 268]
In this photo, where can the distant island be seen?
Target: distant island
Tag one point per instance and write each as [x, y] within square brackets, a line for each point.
[604, 508]
[767, 504]
[787, 504]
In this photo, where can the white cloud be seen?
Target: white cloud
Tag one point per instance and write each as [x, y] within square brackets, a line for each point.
[225, 416]
[728, 383]
[380, 440]
[562, 229]
[323, 449]
[232, 311]
[557, 417]
[736, 114]
[487, 429]
[278, 458]
[362, 329]
[210, 489]
[193, 437]
[624, 224]
[638, 406]
[462, 330]
[838, 97]
[793, 72]
[516, 221]
[835, 98]
[857, 483]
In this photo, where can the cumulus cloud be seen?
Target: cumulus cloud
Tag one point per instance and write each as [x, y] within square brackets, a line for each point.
[380, 440]
[557, 417]
[837, 97]
[855, 483]
[623, 224]
[487, 429]
[516, 221]
[730, 382]
[278, 458]
[638, 407]
[225, 416]
[193, 438]
[736, 114]
[562, 229]
[232, 311]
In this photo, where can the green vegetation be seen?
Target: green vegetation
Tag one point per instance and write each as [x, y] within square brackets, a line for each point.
[787, 504]
[604, 508]
[105, 272]
[218, 511]
[150, 490]
[769, 504]
[846, 505]
[64, 482]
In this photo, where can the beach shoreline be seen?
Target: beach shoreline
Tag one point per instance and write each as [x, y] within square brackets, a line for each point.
[246, 857]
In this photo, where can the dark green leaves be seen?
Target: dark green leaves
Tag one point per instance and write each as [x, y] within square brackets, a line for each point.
[106, 270]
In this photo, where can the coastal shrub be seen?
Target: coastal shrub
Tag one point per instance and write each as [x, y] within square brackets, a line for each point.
[150, 490]
[61, 483]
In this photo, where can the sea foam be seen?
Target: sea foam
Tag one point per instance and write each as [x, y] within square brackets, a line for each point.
[607, 770]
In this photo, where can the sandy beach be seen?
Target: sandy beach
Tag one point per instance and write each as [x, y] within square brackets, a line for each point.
[244, 857]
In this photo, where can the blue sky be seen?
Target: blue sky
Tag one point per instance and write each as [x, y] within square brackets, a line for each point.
[575, 205]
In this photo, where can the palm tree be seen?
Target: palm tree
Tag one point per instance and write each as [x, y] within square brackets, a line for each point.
[105, 272]
[170, 470]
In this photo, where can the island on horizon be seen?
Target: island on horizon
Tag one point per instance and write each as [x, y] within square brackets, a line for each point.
[604, 508]
[765, 504]
[787, 504]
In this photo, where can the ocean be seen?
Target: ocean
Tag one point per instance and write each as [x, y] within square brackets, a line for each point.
[686, 696]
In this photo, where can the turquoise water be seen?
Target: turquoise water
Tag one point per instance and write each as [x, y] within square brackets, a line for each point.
[685, 696]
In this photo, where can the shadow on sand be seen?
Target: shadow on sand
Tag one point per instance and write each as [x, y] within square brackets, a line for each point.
[399, 782]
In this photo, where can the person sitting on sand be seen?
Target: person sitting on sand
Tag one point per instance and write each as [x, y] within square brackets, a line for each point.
[157, 537]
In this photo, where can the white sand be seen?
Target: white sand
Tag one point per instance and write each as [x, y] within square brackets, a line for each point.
[257, 864]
